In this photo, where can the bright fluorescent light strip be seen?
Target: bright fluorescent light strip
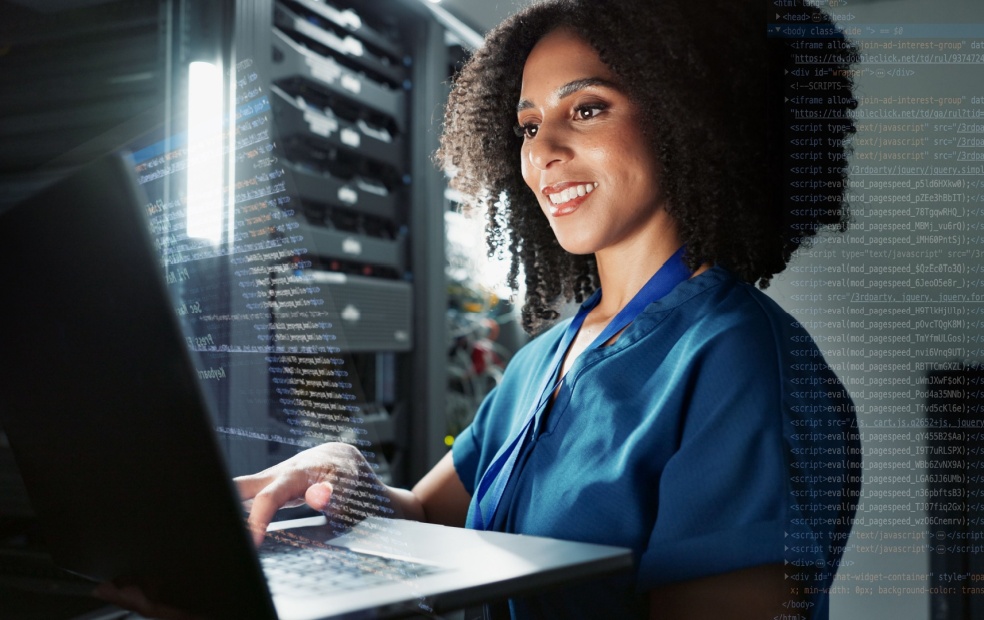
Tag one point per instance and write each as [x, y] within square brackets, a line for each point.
[204, 199]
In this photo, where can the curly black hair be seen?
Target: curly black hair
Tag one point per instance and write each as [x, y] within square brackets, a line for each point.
[723, 112]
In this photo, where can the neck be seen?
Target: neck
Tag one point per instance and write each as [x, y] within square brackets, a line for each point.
[623, 271]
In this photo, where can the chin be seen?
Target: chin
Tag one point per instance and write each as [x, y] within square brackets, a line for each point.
[577, 236]
[576, 246]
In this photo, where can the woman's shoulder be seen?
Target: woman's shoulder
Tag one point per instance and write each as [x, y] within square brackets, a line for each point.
[716, 315]
[541, 345]
[717, 303]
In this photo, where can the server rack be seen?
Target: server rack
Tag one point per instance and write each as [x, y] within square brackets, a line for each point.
[356, 89]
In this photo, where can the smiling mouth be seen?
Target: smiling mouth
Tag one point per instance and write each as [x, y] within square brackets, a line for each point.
[571, 193]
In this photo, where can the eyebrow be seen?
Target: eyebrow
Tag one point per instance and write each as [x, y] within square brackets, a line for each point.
[569, 89]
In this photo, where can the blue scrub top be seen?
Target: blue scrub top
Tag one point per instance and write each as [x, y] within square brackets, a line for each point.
[711, 436]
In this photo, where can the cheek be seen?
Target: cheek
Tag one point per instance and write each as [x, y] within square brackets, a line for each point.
[528, 170]
[531, 176]
[635, 165]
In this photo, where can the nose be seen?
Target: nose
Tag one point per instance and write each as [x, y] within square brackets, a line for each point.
[548, 148]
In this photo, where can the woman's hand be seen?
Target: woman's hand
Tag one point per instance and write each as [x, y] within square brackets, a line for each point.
[334, 478]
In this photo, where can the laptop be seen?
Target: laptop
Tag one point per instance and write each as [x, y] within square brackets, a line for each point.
[104, 409]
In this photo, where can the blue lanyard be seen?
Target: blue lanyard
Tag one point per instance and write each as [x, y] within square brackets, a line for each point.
[494, 480]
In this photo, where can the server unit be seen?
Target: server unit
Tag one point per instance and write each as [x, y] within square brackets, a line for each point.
[338, 91]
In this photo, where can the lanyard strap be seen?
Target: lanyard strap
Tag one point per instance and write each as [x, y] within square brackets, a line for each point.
[494, 480]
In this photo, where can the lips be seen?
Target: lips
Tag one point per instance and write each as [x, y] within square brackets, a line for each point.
[562, 193]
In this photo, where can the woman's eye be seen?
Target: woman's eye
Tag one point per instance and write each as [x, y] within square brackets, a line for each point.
[585, 112]
[526, 130]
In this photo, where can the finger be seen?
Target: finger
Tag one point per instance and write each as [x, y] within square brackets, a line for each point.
[266, 503]
[318, 495]
[249, 486]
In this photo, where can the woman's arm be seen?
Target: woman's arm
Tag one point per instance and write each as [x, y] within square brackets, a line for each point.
[441, 494]
[755, 593]
[322, 476]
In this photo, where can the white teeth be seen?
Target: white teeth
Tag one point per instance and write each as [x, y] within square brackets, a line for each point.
[572, 192]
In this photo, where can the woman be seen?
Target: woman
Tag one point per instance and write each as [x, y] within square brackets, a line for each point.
[630, 153]
[648, 140]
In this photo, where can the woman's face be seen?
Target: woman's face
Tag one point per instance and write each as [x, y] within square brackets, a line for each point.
[584, 154]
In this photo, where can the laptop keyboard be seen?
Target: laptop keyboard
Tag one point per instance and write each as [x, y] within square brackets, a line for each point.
[295, 567]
